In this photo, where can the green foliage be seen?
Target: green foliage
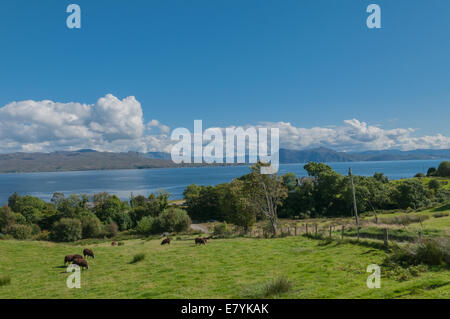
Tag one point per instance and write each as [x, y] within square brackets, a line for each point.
[110, 230]
[137, 258]
[432, 171]
[411, 193]
[273, 288]
[434, 184]
[444, 169]
[315, 169]
[222, 230]
[419, 175]
[146, 226]
[20, 231]
[5, 280]
[172, 220]
[66, 230]
[430, 252]
[91, 226]
[202, 202]
[7, 218]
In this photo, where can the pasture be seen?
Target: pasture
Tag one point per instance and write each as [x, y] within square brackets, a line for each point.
[224, 268]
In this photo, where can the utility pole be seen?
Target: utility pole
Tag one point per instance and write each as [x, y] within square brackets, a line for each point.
[355, 208]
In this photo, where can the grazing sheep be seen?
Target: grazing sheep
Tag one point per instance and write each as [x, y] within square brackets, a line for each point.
[88, 252]
[76, 256]
[200, 241]
[166, 241]
[68, 259]
[81, 262]
[114, 243]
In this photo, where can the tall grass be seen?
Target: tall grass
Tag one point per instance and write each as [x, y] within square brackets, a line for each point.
[273, 288]
[5, 280]
[137, 258]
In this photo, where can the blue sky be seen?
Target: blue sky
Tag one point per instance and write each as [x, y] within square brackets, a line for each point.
[309, 63]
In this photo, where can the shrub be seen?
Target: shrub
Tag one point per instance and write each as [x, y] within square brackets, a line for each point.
[66, 230]
[20, 231]
[444, 169]
[145, 226]
[43, 235]
[137, 258]
[428, 252]
[434, 184]
[419, 175]
[274, 287]
[5, 280]
[91, 226]
[120, 243]
[110, 230]
[432, 171]
[172, 220]
[222, 230]
[440, 214]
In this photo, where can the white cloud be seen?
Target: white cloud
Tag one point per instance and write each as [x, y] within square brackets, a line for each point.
[118, 125]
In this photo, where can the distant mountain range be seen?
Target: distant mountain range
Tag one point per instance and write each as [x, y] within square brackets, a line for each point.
[87, 159]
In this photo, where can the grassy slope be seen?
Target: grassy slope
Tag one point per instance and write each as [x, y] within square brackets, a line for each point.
[221, 269]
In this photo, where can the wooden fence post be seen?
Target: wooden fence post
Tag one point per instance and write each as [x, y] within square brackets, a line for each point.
[306, 228]
[343, 227]
[315, 230]
[330, 231]
[386, 237]
[420, 235]
[295, 230]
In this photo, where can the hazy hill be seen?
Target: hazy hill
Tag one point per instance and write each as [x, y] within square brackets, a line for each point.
[87, 159]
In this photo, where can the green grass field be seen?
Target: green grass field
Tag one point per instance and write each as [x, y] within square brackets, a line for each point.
[224, 268]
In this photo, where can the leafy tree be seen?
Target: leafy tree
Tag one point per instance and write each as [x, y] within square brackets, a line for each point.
[172, 220]
[266, 192]
[202, 202]
[380, 177]
[235, 205]
[411, 193]
[20, 231]
[146, 226]
[315, 169]
[444, 169]
[432, 171]
[91, 226]
[66, 230]
[7, 218]
[290, 181]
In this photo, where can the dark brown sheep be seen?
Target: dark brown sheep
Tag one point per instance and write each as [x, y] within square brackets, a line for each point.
[76, 256]
[166, 241]
[88, 252]
[200, 241]
[81, 262]
[68, 259]
[114, 243]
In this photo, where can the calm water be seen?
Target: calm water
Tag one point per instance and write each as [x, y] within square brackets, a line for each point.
[174, 180]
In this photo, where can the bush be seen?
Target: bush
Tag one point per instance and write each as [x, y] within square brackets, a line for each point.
[43, 235]
[20, 231]
[440, 214]
[110, 230]
[66, 230]
[419, 175]
[5, 280]
[137, 258]
[444, 169]
[403, 219]
[91, 226]
[172, 220]
[222, 230]
[274, 287]
[146, 226]
[434, 184]
[430, 252]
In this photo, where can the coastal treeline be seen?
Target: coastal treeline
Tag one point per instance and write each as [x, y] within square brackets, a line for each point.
[242, 202]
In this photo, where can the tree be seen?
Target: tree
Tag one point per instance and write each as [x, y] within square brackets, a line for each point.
[7, 218]
[235, 205]
[290, 181]
[380, 177]
[431, 171]
[411, 193]
[66, 230]
[315, 169]
[444, 169]
[91, 226]
[266, 192]
[172, 220]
